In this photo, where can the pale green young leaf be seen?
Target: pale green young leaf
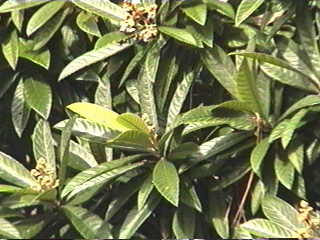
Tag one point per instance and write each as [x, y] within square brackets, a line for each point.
[133, 122]
[19, 110]
[40, 57]
[282, 213]
[42, 15]
[42, 143]
[38, 95]
[180, 34]
[136, 218]
[88, 224]
[10, 48]
[240, 233]
[90, 173]
[103, 8]
[13, 5]
[258, 154]
[166, 179]
[266, 228]
[9, 189]
[183, 223]
[87, 23]
[13, 171]
[18, 18]
[92, 57]
[8, 230]
[144, 192]
[197, 13]
[245, 9]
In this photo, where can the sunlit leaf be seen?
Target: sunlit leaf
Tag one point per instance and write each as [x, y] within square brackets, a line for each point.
[8, 230]
[180, 34]
[12, 5]
[245, 9]
[258, 154]
[197, 13]
[10, 48]
[87, 23]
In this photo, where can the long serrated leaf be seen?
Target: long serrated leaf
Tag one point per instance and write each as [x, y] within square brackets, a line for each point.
[12, 5]
[166, 179]
[13, 171]
[43, 145]
[19, 109]
[245, 9]
[265, 228]
[96, 171]
[180, 34]
[10, 48]
[8, 230]
[42, 15]
[88, 224]
[38, 95]
[281, 212]
[197, 13]
[103, 8]
[258, 154]
[136, 218]
[92, 57]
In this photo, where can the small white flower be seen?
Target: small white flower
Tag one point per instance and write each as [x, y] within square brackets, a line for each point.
[135, 1]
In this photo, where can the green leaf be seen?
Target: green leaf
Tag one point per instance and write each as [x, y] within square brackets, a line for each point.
[88, 174]
[240, 233]
[218, 213]
[133, 122]
[183, 151]
[10, 48]
[43, 15]
[291, 126]
[9, 189]
[88, 224]
[86, 22]
[221, 7]
[93, 131]
[40, 57]
[8, 230]
[284, 170]
[38, 95]
[80, 158]
[136, 218]
[144, 192]
[282, 213]
[111, 38]
[245, 9]
[19, 110]
[45, 33]
[98, 114]
[246, 88]
[236, 105]
[197, 13]
[30, 227]
[188, 194]
[278, 131]
[183, 223]
[166, 179]
[257, 194]
[296, 154]
[43, 144]
[180, 34]
[103, 8]
[18, 18]
[258, 154]
[265, 228]
[221, 67]
[92, 57]
[13, 171]
[12, 5]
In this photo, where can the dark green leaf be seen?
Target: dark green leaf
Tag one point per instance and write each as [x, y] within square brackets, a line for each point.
[258, 154]
[144, 192]
[245, 9]
[180, 34]
[88, 24]
[183, 224]
[197, 13]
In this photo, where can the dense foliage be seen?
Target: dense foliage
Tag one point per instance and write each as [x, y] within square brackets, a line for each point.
[159, 119]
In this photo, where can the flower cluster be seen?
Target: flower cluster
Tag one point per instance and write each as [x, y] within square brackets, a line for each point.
[307, 214]
[44, 176]
[141, 21]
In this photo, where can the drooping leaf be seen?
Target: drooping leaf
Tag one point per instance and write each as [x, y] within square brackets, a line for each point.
[103, 8]
[197, 13]
[42, 15]
[258, 154]
[13, 171]
[88, 224]
[136, 218]
[43, 144]
[87, 23]
[8, 230]
[38, 95]
[245, 9]
[19, 109]
[10, 48]
[166, 179]
[9, 6]
[183, 223]
[180, 34]
[266, 228]
[92, 57]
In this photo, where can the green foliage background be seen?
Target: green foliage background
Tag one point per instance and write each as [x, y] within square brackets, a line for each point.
[209, 129]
